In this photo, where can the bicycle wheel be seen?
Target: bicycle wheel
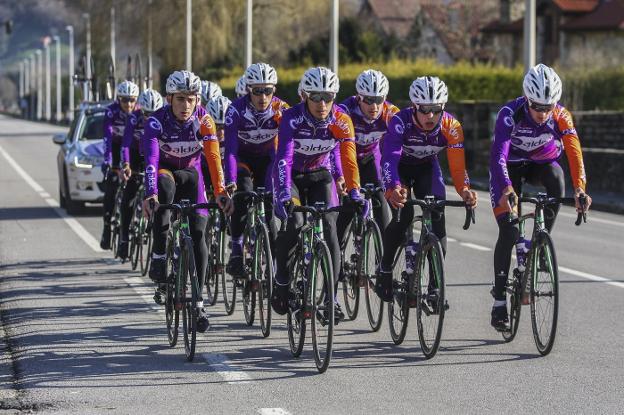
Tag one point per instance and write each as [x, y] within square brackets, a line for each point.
[370, 259]
[249, 296]
[172, 313]
[430, 297]
[145, 249]
[263, 271]
[544, 294]
[514, 290]
[211, 279]
[321, 280]
[228, 283]
[135, 233]
[295, 320]
[398, 308]
[189, 305]
[350, 287]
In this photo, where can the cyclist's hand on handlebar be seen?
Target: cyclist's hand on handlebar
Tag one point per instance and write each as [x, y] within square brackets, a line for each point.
[341, 186]
[504, 200]
[230, 188]
[396, 197]
[588, 200]
[280, 204]
[150, 205]
[127, 172]
[225, 203]
[470, 198]
[356, 197]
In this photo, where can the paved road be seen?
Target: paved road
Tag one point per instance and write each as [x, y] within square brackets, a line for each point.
[81, 334]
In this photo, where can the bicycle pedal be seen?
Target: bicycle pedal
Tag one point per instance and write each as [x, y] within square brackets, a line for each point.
[446, 305]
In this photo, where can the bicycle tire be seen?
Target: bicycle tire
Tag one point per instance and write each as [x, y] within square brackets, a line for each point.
[514, 289]
[189, 309]
[210, 280]
[145, 252]
[544, 288]
[398, 308]
[322, 302]
[295, 321]
[228, 283]
[430, 303]
[248, 295]
[350, 287]
[368, 269]
[172, 313]
[263, 269]
[135, 233]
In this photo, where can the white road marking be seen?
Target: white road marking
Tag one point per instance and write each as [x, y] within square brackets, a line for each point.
[273, 411]
[145, 292]
[592, 277]
[475, 246]
[73, 223]
[449, 239]
[227, 372]
[591, 219]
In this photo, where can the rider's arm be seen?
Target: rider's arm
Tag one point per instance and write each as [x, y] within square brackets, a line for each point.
[336, 163]
[108, 136]
[454, 133]
[231, 144]
[343, 131]
[282, 172]
[499, 153]
[391, 153]
[153, 130]
[131, 122]
[208, 131]
[572, 147]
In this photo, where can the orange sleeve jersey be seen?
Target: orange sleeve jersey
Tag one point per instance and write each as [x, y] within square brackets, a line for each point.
[212, 153]
[452, 130]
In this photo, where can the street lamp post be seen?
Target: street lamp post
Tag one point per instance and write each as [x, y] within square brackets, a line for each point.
[21, 81]
[59, 115]
[48, 87]
[39, 84]
[33, 84]
[70, 115]
[149, 44]
[333, 42]
[112, 35]
[189, 33]
[529, 35]
[249, 29]
[87, 84]
[26, 81]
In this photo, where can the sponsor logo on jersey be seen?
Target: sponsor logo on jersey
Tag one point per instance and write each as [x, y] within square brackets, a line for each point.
[372, 137]
[180, 148]
[312, 146]
[385, 171]
[281, 172]
[150, 172]
[257, 136]
[421, 152]
[294, 123]
[530, 143]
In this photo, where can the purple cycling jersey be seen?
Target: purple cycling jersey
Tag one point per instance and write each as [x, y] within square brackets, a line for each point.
[172, 145]
[305, 143]
[133, 134]
[250, 132]
[114, 126]
[368, 133]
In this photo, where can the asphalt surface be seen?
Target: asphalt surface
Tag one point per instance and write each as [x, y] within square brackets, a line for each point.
[82, 336]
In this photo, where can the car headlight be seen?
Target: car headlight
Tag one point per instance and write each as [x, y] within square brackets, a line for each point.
[84, 161]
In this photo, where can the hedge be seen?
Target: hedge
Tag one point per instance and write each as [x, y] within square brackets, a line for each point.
[595, 89]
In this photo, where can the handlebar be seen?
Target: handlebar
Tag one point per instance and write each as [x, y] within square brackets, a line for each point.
[543, 200]
[431, 204]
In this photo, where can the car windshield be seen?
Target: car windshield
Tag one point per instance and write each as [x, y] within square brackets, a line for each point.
[93, 127]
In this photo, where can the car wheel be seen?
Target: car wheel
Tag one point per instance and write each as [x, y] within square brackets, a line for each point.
[71, 206]
[62, 201]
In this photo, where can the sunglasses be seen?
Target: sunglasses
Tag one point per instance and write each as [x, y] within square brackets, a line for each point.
[321, 96]
[372, 100]
[541, 107]
[147, 113]
[259, 90]
[126, 100]
[430, 109]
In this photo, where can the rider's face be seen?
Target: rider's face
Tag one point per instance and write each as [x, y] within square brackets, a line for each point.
[370, 111]
[261, 95]
[183, 105]
[127, 104]
[539, 117]
[428, 121]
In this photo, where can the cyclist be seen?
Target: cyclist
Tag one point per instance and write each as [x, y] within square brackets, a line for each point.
[115, 119]
[209, 90]
[217, 108]
[132, 159]
[240, 89]
[251, 125]
[307, 135]
[410, 165]
[531, 132]
[370, 113]
[173, 141]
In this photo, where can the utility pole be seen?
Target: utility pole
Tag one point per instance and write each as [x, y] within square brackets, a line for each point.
[149, 44]
[333, 38]
[39, 84]
[59, 115]
[21, 82]
[48, 87]
[529, 35]
[87, 84]
[248, 34]
[26, 78]
[189, 33]
[70, 112]
[112, 35]
[33, 85]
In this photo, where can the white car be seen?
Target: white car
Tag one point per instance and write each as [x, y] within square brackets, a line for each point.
[80, 158]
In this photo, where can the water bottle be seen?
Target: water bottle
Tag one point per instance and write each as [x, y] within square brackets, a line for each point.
[411, 250]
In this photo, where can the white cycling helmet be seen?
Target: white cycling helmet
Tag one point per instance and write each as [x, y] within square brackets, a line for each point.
[127, 89]
[542, 85]
[260, 73]
[372, 83]
[217, 108]
[210, 90]
[241, 88]
[150, 100]
[183, 82]
[426, 90]
[320, 79]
